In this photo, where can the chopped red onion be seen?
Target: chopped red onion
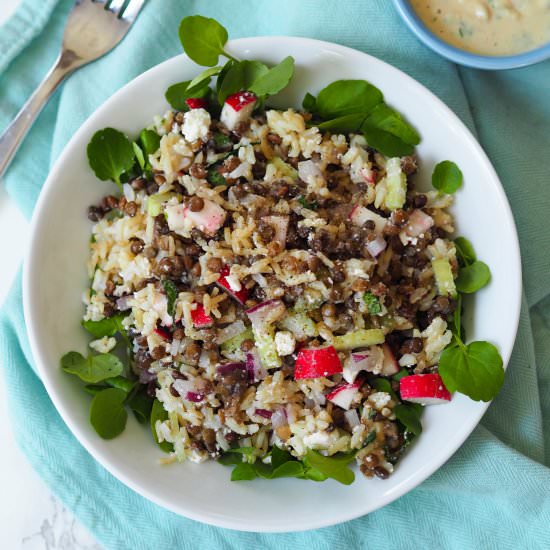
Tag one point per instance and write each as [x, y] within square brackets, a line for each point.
[280, 225]
[145, 376]
[123, 303]
[254, 367]
[352, 418]
[228, 368]
[278, 418]
[264, 413]
[266, 312]
[376, 246]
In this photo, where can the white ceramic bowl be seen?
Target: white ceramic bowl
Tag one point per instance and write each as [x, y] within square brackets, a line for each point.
[55, 277]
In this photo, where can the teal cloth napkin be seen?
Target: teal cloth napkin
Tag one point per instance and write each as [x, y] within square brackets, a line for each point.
[495, 491]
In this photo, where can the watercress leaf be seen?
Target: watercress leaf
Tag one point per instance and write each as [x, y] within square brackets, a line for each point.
[246, 451]
[385, 118]
[229, 459]
[202, 39]
[106, 327]
[240, 76]
[465, 251]
[110, 154]
[373, 303]
[346, 123]
[150, 141]
[275, 79]
[457, 318]
[222, 75]
[171, 294]
[370, 438]
[474, 370]
[473, 277]
[279, 456]
[178, 93]
[243, 472]
[107, 413]
[292, 468]
[447, 177]
[309, 103]
[263, 470]
[409, 417]
[92, 369]
[344, 97]
[386, 143]
[381, 384]
[330, 466]
[141, 404]
[139, 155]
[400, 374]
[158, 412]
[205, 76]
[314, 474]
[121, 383]
[222, 141]
[94, 389]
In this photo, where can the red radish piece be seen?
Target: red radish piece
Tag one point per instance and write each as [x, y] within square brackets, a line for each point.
[237, 108]
[164, 334]
[368, 360]
[208, 220]
[196, 103]
[266, 312]
[343, 395]
[419, 222]
[280, 226]
[241, 295]
[368, 175]
[199, 317]
[376, 246]
[390, 365]
[317, 362]
[426, 389]
[360, 215]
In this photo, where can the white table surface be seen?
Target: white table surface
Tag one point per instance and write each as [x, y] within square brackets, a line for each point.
[30, 516]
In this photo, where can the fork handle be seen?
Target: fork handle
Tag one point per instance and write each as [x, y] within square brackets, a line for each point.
[14, 134]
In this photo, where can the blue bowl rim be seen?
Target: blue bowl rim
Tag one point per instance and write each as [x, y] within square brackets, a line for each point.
[462, 57]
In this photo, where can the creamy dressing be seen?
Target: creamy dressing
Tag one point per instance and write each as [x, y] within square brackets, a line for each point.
[491, 27]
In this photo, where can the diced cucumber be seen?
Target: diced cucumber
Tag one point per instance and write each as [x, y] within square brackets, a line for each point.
[285, 169]
[358, 339]
[300, 325]
[444, 277]
[396, 184]
[232, 348]
[265, 342]
[311, 299]
[155, 202]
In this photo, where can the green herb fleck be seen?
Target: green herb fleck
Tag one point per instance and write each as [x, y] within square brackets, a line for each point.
[373, 303]
[214, 177]
[172, 294]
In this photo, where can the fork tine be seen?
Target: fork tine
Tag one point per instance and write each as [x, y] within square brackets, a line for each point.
[132, 9]
[114, 5]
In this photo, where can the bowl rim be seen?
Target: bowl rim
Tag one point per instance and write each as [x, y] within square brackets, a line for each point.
[33, 328]
[463, 57]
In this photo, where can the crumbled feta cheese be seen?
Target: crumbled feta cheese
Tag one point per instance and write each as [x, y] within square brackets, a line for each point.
[285, 342]
[318, 440]
[379, 399]
[196, 124]
[103, 345]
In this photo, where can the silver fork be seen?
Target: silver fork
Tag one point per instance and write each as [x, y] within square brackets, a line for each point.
[92, 29]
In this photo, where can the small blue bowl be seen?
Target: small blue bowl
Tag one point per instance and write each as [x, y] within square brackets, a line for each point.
[492, 63]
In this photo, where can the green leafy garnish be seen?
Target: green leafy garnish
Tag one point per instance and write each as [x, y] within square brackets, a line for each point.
[447, 177]
[241, 76]
[222, 141]
[138, 152]
[203, 39]
[409, 415]
[373, 303]
[107, 413]
[309, 103]
[275, 79]
[106, 327]
[400, 374]
[172, 294]
[92, 369]
[370, 438]
[465, 251]
[205, 76]
[110, 154]
[141, 404]
[158, 412]
[473, 277]
[214, 177]
[178, 93]
[381, 384]
[346, 97]
[150, 141]
[335, 467]
[474, 369]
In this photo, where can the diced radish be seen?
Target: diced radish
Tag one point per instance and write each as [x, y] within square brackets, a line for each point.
[241, 295]
[317, 362]
[208, 220]
[426, 389]
[254, 367]
[369, 360]
[376, 246]
[237, 108]
[390, 365]
[199, 317]
[343, 395]
[280, 225]
[368, 175]
[266, 312]
[164, 334]
[360, 215]
[196, 103]
[419, 222]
